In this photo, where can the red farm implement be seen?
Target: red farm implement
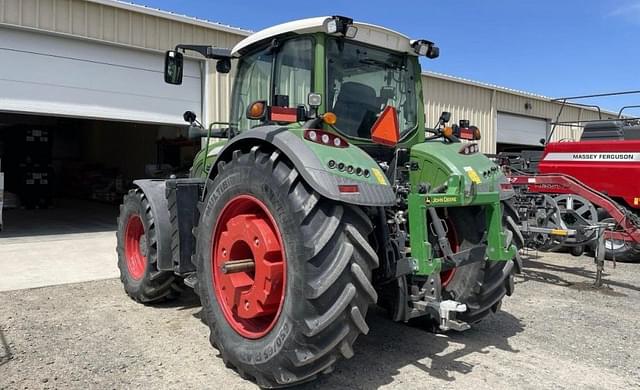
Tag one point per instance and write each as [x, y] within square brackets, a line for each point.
[585, 194]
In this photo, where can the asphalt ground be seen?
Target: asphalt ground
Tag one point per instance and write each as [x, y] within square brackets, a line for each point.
[556, 332]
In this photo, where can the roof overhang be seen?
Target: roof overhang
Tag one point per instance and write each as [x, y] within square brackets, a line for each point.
[125, 5]
[367, 33]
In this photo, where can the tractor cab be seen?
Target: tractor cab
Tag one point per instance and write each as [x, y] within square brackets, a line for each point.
[297, 71]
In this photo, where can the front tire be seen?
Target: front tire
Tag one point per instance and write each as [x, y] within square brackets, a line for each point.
[137, 248]
[314, 305]
[480, 285]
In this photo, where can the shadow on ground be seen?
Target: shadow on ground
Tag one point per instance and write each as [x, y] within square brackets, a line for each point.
[390, 347]
[187, 300]
[541, 272]
[5, 351]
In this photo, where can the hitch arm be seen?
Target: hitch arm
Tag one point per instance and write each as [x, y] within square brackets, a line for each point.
[438, 226]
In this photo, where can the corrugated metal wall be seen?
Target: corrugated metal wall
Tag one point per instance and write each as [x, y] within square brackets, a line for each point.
[123, 25]
[463, 102]
[107, 23]
[219, 86]
[128, 25]
[481, 104]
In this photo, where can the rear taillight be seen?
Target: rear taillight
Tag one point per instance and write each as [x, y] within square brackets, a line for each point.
[324, 138]
[348, 189]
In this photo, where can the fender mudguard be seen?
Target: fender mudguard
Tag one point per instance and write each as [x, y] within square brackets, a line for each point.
[309, 166]
[154, 190]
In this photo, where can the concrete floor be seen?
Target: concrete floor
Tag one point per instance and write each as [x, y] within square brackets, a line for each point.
[68, 216]
[73, 242]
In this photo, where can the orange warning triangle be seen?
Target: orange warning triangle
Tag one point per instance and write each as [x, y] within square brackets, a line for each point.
[386, 131]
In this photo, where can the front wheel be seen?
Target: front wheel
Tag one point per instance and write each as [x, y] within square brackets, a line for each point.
[480, 285]
[137, 248]
[284, 274]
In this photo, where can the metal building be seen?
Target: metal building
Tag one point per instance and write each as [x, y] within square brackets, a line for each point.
[509, 119]
[89, 75]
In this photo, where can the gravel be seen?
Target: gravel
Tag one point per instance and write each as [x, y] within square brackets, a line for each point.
[556, 332]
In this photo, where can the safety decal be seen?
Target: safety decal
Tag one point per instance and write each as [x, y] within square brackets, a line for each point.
[473, 175]
[379, 176]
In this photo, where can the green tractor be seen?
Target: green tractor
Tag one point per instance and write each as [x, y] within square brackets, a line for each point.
[326, 194]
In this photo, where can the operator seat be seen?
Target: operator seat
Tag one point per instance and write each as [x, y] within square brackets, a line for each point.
[356, 109]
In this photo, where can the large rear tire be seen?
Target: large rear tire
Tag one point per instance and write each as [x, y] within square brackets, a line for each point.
[137, 248]
[480, 285]
[307, 314]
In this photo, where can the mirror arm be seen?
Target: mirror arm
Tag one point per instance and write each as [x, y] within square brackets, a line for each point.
[206, 51]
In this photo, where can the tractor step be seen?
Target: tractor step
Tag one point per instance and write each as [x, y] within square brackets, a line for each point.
[191, 280]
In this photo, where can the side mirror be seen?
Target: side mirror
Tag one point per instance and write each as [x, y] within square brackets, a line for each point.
[445, 117]
[173, 67]
[543, 141]
[223, 66]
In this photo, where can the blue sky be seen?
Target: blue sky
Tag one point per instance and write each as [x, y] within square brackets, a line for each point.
[551, 47]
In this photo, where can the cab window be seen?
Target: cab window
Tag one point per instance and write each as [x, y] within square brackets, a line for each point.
[293, 70]
[253, 82]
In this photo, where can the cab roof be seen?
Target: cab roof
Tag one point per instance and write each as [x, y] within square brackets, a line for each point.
[367, 33]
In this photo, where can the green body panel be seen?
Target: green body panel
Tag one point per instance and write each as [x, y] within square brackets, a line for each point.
[441, 163]
[350, 156]
[201, 167]
[471, 180]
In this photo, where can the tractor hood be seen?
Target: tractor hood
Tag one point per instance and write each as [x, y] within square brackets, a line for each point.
[439, 162]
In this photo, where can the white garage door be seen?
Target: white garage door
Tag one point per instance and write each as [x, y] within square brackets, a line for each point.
[53, 75]
[520, 130]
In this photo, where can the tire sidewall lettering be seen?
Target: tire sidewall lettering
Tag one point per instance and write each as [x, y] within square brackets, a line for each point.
[231, 182]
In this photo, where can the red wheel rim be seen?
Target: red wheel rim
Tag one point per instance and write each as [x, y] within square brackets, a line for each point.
[250, 299]
[447, 276]
[134, 253]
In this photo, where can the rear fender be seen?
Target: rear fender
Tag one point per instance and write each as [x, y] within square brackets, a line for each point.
[312, 169]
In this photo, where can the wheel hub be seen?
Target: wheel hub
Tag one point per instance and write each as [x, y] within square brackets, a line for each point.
[248, 266]
[135, 247]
